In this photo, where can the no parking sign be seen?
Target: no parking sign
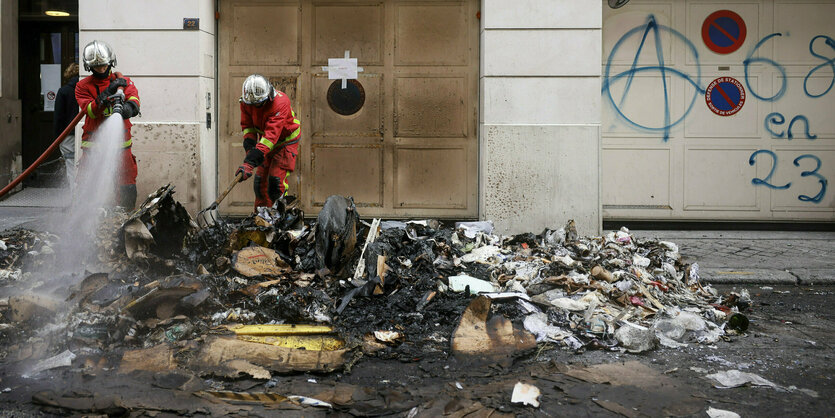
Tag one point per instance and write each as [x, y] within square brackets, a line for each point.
[725, 96]
[723, 31]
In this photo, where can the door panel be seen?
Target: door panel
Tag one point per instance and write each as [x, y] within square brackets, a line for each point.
[364, 178]
[354, 27]
[430, 107]
[421, 170]
[410, 149]
[638, 186]
[712, 180]
[431, 34]
[265, 34]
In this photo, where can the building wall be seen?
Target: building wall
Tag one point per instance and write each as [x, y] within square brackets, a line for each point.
[173, 69]
[10, 122]
[540, 114]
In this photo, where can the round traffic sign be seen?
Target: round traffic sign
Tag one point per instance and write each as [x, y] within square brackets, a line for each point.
[725, 96]
[723, 31]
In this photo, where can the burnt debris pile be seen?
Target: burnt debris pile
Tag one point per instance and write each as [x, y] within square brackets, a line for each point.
[277, 293]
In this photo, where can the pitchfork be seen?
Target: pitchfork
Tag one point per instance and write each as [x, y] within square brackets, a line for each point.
[208, 217]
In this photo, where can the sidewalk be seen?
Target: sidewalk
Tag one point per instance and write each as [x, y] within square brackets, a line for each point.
[756, 256]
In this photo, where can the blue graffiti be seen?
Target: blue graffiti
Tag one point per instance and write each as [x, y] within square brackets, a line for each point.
[765, 181]
[749, 60]
[827, 62]
[805, 124]
[821, 179]
[777, 118]
[651, 27]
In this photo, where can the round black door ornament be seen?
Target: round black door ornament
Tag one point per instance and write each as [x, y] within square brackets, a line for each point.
[346, 101]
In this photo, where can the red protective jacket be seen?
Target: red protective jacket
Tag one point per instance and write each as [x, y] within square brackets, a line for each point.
[86, 92]
[272, 125]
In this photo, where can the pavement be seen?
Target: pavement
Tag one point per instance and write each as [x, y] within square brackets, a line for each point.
[767, 257]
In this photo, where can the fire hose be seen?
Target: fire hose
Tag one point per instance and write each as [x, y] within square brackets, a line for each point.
[43, 156]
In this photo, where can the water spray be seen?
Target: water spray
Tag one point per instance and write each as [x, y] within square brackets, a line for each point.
[95, 189]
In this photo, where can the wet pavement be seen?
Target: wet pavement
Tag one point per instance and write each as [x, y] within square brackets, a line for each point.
[787, 347]
[789, 342]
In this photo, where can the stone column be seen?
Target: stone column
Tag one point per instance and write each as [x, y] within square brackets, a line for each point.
[540, 114]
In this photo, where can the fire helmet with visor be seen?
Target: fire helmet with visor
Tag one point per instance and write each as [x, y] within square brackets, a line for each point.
[257, 89]
[98, 53]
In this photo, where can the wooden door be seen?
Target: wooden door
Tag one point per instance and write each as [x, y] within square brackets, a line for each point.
[401, 139]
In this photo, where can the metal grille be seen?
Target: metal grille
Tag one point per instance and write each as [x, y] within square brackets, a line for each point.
[39, 198]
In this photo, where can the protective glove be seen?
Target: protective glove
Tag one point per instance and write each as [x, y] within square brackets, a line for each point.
[103, 99]
[249, 143]
[129, 110]
[246, 169]
[253, 159]
[115, 84]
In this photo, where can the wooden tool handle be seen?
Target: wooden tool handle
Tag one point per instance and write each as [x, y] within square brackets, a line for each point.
[231, 186]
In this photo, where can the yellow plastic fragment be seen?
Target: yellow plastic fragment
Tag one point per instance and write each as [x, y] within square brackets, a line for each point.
[307, 342]
[279, 329]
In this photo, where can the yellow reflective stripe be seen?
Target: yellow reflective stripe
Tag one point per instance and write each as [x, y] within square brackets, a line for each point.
[251, 130]
[90, 111]
[294, 134]
[297, 122]
[267, 143]
[134, 98]
[88, 144]
[286, 186]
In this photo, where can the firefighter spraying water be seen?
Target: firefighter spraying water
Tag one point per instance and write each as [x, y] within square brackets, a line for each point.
[107, 170]
[100, 95]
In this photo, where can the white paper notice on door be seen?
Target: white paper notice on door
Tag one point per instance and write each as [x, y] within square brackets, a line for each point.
[50, 83]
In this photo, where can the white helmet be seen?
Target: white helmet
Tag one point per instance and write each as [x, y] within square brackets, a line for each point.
[257, 89]
[98, 53]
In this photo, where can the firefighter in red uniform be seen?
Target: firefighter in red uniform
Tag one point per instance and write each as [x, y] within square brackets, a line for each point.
[271, 139]
[100, 95]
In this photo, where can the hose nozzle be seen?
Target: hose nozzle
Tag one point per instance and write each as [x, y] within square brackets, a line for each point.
[117, 100]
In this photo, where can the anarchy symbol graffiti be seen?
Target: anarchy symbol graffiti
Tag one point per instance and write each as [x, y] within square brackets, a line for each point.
[661, 70]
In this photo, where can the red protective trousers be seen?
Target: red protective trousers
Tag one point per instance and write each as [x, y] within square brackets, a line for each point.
[270, 178]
